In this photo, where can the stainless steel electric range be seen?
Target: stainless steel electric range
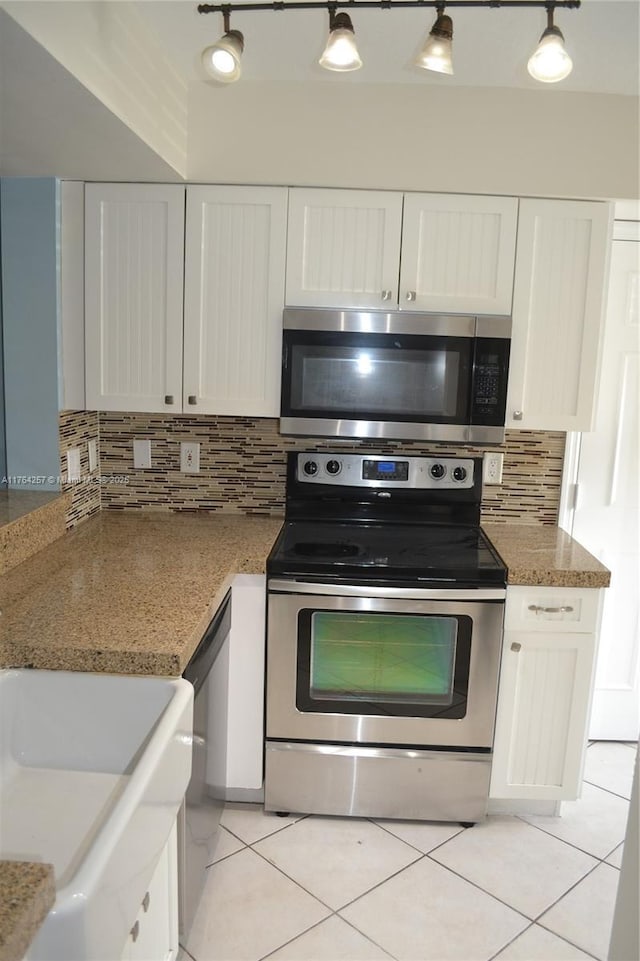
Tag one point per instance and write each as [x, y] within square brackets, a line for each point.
[384, 630]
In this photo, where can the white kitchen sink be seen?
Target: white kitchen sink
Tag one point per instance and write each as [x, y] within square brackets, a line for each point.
[93, 768]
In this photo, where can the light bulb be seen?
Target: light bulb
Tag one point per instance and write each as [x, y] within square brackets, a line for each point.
[222, 61]
[436, 53]
[341, 53]
[550, 62]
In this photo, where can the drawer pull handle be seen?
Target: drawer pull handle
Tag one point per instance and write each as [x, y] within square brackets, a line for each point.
[550, 610]
[193, 400]
[135, 931]
[515, 647]
[168, 398]
[146, 901]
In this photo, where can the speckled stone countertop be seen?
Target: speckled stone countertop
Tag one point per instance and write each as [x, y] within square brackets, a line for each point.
[127, 593]
[27, 893]
[545, 557]
[29, 520]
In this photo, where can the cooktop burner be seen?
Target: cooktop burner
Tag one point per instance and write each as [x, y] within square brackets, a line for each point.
[365, 518]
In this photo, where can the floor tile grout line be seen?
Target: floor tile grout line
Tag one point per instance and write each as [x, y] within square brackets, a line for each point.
[342, 906]
[434, 848]
[480, 888]
[540, 827]
[608, 790]
[367, 936]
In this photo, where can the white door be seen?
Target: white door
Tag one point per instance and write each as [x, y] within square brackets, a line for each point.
[233, 299]
[606, 519]
[458, 253]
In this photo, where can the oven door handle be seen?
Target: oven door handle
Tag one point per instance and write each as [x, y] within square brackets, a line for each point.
[409, 593]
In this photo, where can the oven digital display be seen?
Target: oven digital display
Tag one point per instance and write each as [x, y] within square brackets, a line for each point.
[386, 470]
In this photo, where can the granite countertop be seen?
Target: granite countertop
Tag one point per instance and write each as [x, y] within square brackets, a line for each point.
[127, 593]
[132, 593]
[27, 893]
[545, 557]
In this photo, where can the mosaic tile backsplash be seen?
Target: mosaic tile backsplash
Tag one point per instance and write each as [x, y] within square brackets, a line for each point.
[77, 428]
[242, 466]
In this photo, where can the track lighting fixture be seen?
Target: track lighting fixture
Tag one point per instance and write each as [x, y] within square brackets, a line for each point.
[340, 53]
[436, 53]
[222, 61]
[549, 63]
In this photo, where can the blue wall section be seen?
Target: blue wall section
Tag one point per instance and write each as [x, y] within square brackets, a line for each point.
[29, 220]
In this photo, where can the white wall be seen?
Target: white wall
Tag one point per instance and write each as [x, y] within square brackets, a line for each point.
[110, 50]
[413, 137]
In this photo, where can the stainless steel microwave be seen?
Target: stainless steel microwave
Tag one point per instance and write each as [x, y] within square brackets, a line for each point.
[395, 376]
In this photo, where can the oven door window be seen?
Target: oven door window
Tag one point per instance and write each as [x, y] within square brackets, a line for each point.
[376, 376]
[355, 662]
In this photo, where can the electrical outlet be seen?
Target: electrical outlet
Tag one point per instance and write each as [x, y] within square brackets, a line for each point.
[492, 467]
[92, 447]
[74, 471]
[189, 457]
[142, 454]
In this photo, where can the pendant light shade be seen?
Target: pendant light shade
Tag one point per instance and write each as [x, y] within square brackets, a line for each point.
[340, 53]
[223, 60]
[436, 53]
[550, 62]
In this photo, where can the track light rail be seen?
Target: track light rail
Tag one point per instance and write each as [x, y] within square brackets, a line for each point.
[279, 5]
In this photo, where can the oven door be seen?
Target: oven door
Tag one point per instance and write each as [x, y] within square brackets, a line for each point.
[383, 666]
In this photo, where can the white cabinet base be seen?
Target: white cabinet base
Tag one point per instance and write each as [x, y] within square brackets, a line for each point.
[154, 931]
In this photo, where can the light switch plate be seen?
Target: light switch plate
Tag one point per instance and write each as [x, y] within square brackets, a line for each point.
[92, 447]
[142, 454]
[74, 470]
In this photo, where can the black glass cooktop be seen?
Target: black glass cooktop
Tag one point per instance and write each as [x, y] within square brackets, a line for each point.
[392, 552]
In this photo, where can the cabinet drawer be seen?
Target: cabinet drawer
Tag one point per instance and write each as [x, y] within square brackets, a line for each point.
[556, 609]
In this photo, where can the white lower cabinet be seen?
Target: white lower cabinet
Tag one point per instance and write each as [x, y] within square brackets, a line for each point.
[154, 924]
[546, 684]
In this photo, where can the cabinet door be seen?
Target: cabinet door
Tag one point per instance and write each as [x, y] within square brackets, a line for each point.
[343, 248]
[234, 295]
[154, 934]
[134, 252]
[458, 253]
[561, 270]
[541, 723]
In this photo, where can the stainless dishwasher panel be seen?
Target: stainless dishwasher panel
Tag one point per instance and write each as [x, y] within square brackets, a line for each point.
[199, 816]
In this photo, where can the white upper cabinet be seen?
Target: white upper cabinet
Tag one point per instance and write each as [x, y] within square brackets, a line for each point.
[234, 295]
[458, 253]
[560, 281]
[356, 248]
[134, 256]
[343, 248]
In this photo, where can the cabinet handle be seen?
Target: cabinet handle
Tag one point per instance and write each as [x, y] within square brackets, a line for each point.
[411, 295]
[168, 398]
[550, 610]
[193, 400]
[135, 931]
[386, 295]
[146, 901]
[516, 646]
[517, 415]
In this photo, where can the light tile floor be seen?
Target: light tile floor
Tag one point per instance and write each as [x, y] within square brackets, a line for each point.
[349, 889]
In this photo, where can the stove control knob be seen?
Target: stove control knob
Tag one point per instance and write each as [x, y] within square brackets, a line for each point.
[437, 471]
[459, 473]
[333, 467]
[310, 468]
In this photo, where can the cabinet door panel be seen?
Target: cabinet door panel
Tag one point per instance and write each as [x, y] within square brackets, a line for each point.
[343, 248]
[458, 253]
[134, 251]
[545, 686]
[557, 313]
[234, 293]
